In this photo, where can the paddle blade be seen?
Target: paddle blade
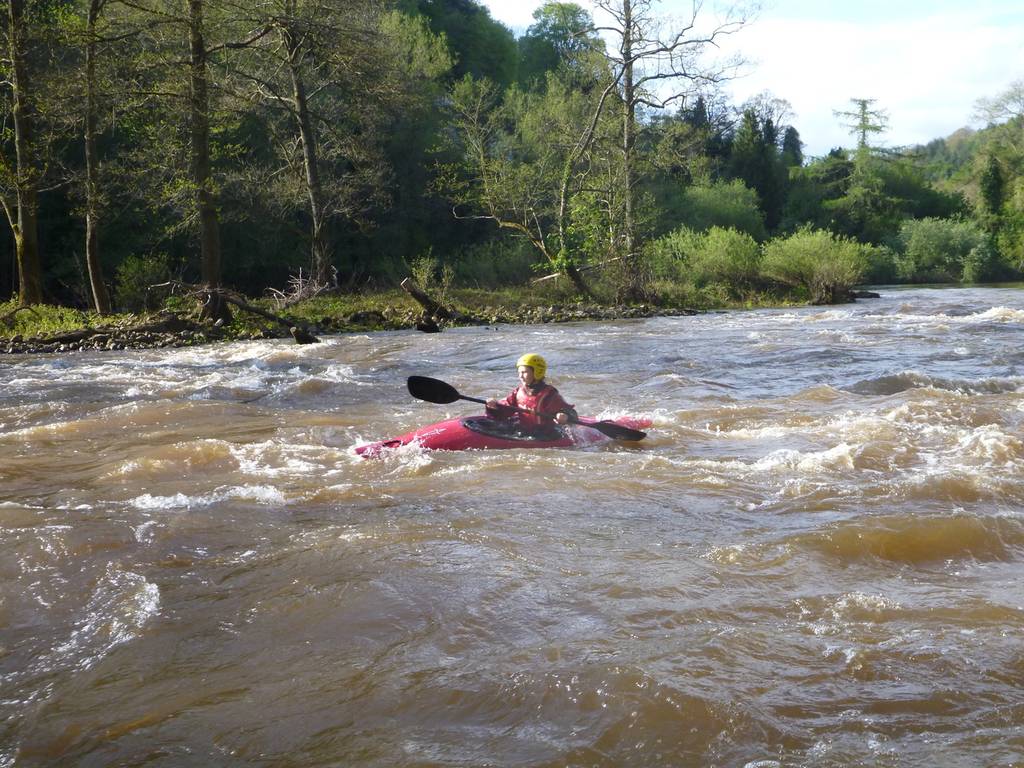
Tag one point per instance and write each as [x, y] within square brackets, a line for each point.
[617, 431]
[613, 430]
[432, 390]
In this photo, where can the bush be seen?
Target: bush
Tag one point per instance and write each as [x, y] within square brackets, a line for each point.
[729, 258]
[826, 265]
[729, 205]
[497, 263]
[938, 251]
[881, 265]
[722, 257]
[133, 279]
[670, 257]
[434, 278]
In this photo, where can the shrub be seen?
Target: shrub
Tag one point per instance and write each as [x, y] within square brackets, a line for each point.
[434, 278]
[134, 278]
[938, 250]
[824, 264]
[722, 257]
[496, 263]
[670, 256]
[881, 265]
[727, 257]
[729, 205]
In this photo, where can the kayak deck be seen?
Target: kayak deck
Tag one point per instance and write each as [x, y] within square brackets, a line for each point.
[485, 433]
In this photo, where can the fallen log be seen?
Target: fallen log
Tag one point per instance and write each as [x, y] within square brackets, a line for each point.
[300, 333]
[8, 319]
[584, 268]
[431, 307]
[215, 301]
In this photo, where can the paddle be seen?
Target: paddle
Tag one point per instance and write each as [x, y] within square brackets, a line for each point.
[437, 391]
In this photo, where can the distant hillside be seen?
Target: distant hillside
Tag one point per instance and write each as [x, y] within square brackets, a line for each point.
[946, 159]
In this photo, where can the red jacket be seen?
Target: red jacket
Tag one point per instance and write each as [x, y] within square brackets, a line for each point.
[543, 399]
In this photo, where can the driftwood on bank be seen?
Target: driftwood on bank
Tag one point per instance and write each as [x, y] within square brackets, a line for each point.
[8, 319]
[215, 309]
[300, 333]
[431, 307]
[584, 268]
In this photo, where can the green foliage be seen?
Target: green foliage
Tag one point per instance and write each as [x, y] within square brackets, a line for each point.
[483, 47]
[496, 263]
[432, 276]
[729, 205]
[944, 251]
[755, 160]
[561, 36]
[992, 185]
[719, 257]
[43, 320]
[134, 280]
[881, 265]
[827, 266]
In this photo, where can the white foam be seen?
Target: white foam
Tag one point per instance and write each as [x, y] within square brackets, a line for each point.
[116, 613]
[263, 494]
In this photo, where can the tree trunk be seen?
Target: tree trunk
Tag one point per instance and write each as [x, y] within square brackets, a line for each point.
[199, 113]
[631, 287]
[321, 247]
[25, 222]
[100, 296]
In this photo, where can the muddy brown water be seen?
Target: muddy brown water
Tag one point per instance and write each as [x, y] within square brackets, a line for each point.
[815, 558]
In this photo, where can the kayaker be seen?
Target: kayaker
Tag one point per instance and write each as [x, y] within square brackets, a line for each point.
[533, 394]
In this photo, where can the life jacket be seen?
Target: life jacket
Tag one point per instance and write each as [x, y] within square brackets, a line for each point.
[545, 400]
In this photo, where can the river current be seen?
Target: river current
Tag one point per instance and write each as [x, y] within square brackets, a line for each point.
[815, 559]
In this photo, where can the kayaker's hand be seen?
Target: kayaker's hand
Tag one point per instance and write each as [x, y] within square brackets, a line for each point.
[562, 418]
[497, 410]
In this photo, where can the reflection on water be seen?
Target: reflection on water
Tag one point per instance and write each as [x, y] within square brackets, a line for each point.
[813, 559]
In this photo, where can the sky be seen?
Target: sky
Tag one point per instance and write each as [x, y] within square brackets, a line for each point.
[924, 63]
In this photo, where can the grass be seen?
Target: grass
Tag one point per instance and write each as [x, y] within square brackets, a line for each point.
[46, 320]
[378, 310]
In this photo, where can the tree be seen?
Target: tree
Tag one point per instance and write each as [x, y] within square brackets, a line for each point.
[97, 285]
[337, 71]
[992, 183]
[481, 46]
[865, 211]
[864, 122]
[22, 177]
[1006, 106]
[523, 163]
[199, 144]
[792, 148]
[654, 69]
[561, 34]
[755, 160]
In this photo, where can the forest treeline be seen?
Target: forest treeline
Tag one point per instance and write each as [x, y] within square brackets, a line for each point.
[347, 143]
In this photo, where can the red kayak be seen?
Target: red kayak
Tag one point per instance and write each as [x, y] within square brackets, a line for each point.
[484, 433]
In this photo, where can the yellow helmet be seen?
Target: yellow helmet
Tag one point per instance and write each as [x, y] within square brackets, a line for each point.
[535, 361]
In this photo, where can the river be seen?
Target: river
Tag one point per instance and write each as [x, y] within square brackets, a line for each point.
[813, 560]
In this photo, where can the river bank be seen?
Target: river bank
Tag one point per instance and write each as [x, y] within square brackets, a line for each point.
[171, 329]
[56, 330]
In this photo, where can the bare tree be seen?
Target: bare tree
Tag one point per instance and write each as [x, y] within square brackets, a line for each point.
[1006, 106]
[656, 62]
[100, 295]
[335, 69]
